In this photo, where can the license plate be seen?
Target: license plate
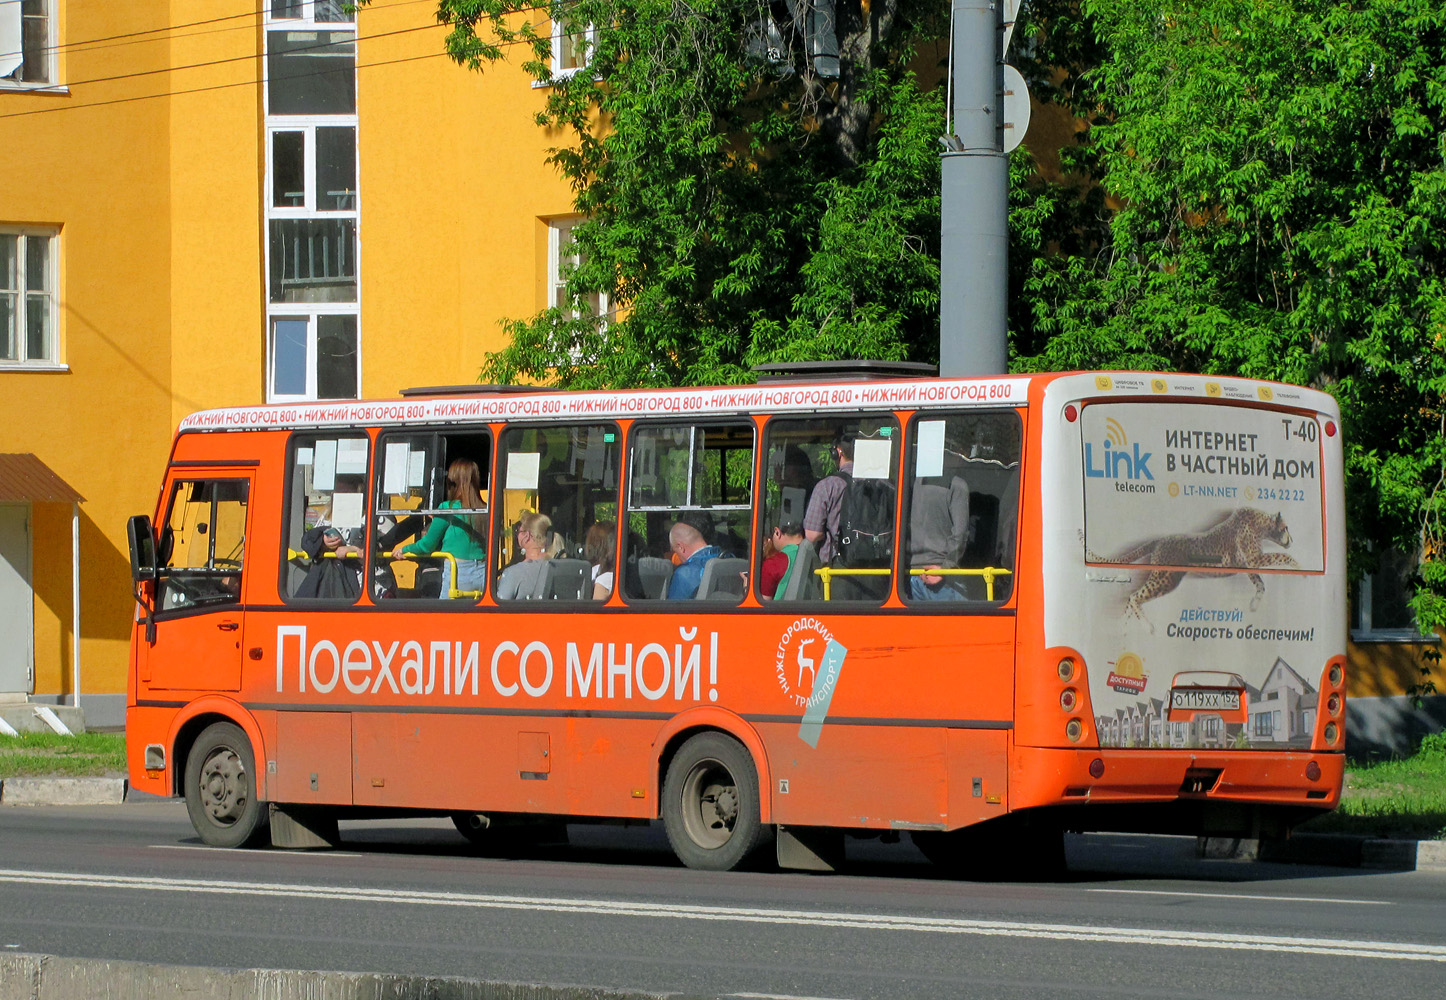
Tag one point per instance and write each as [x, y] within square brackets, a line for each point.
[1205, 701]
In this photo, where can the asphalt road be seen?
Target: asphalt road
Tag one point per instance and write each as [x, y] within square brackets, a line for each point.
[1137, 916]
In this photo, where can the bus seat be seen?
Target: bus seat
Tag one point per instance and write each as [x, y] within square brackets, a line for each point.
[722, 580]
[803, 584]
[655, 572]
[566, 579]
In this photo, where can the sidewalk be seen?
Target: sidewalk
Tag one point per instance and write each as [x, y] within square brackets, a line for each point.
[1339, 850]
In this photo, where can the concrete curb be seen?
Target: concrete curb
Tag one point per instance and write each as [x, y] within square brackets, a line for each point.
[62, 791]
[1337, 849]
[48, 977]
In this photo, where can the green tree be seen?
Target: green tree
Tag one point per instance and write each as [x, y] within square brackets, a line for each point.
[742, 204]
[1279, 172]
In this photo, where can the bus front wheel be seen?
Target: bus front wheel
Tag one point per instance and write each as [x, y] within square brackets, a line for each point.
[220, 793]
[711, 804]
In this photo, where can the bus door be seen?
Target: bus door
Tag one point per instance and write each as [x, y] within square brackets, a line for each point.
[198, 600]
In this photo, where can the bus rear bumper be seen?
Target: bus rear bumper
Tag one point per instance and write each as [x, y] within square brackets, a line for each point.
[1043, 776]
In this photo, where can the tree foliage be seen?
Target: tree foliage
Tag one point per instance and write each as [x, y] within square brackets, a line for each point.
[1279, 171]
[741, 205]
[1258, 188]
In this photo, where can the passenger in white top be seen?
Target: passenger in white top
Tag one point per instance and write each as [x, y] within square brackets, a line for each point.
[600, 548]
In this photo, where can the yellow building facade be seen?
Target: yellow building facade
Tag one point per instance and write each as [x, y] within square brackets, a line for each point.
[222, 202]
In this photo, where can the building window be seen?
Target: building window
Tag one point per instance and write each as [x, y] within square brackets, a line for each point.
[27, 298]
[311, 72]
[27, 46]
[312, 357]
[1381, 600]
[563, 258]
[319, 11]
[572, 44]
[313, 205]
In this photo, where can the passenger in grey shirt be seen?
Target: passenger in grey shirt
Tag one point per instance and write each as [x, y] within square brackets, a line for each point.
[938, 532]
[523, 581]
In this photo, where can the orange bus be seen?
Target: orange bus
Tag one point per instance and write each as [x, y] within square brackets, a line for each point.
[982, 611]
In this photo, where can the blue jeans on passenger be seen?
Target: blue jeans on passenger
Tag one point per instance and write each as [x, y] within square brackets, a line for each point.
[469, 576]
[921, 591]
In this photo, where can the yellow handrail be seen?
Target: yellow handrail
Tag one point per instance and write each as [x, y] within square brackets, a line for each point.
[452, 592]
[827, 573]
[294, 554]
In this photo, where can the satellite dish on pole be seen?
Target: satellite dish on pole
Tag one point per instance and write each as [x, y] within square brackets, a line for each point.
[1016, 108]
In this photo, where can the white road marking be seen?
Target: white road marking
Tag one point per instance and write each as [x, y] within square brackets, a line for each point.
[252, 851]
[775, 996]
[1074, 933]
[1241, 895]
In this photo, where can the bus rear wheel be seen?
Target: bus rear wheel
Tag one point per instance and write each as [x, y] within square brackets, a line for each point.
[220, 792]
[711, 804]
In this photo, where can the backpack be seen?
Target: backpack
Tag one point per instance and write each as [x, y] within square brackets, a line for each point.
[865, 523]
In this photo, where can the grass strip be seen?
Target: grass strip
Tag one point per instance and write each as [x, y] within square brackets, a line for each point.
[1394, 798]
[43, 755]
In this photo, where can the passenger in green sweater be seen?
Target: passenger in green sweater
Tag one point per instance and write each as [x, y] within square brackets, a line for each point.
[463, 536]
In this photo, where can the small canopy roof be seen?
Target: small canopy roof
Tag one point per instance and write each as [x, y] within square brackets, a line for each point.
[23, 477]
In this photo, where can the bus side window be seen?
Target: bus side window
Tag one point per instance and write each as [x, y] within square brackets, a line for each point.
[325, 520]
[431, 515]
[963, 504]
[831, 493]
[690, 512]
[203, 544]
[559, 503]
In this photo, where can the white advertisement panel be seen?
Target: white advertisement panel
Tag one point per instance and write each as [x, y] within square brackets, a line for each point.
[1202, 566]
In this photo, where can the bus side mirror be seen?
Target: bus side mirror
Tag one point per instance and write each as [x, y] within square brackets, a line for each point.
[143, 549]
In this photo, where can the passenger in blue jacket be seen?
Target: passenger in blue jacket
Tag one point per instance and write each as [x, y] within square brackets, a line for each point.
[693, 552]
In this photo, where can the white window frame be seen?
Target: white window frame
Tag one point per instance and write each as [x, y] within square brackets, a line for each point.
[22, 299]
[307, 16]
[311, 317]
[555, 67]
[52, 62]
[307, 126]
[306, 310]
[558, 232]
[309, 312]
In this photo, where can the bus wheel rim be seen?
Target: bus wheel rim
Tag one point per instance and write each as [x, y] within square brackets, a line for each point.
[710, 804]
[223, 786]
